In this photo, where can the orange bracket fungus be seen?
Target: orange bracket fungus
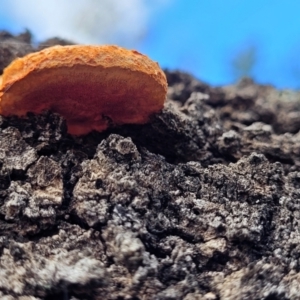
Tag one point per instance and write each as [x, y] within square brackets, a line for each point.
[90, 86]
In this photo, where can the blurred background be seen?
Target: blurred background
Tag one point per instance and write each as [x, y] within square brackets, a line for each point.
[218, 41]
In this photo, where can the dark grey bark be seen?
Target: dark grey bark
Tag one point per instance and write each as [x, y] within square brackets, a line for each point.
[201, 203]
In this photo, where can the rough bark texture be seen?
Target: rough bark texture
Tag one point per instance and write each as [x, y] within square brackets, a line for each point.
[201, 203]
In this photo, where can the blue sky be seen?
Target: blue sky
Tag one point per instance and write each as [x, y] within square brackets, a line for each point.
[202, 37]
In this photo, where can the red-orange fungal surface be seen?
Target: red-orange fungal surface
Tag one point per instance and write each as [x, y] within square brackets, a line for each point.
[90, 86]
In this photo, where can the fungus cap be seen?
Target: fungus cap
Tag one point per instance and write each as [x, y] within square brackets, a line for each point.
[90, 86]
